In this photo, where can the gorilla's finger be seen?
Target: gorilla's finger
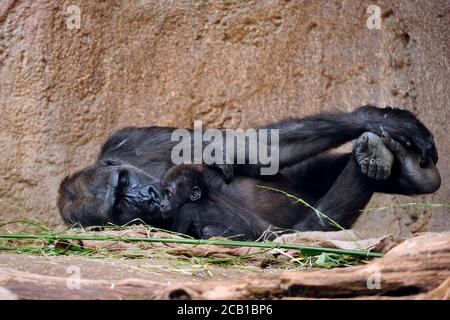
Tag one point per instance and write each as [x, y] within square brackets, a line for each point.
[364, 166]
[434, 154]
[385, 136]
[362, 143]
[395, 147]
[425, 157]
[372, 173]
[425, 143]
[430, 151]
[387, 172]
[404, 141]
[380, 172]
[227, 172]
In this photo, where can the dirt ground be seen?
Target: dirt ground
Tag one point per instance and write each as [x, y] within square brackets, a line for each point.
[109, 269]
[35, 276]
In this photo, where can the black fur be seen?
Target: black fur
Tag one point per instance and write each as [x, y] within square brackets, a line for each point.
[333, 184]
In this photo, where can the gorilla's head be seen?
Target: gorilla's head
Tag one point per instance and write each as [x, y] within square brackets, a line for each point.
[181, 184]
[109, 192]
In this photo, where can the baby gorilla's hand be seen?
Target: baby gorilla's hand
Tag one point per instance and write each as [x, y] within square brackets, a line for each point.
[227, 172]
[374, 158]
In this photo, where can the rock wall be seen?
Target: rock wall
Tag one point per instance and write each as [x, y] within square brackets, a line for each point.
[228, 63]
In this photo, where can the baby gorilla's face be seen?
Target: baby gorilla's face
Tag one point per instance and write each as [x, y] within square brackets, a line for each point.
[175, 194]
[180, 184]
[171, 200]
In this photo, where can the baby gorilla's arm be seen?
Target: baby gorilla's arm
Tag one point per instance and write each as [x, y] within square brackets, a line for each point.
[183, 221]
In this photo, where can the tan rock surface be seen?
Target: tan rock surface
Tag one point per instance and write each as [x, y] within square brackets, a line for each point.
[228, 63]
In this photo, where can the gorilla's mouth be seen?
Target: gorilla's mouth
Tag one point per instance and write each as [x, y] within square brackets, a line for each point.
[154, 200]
[153, 204]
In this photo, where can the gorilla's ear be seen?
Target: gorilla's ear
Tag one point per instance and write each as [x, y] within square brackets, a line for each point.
[107, 162]
[196, 193]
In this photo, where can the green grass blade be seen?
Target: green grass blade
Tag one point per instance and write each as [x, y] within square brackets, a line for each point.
[269, 245]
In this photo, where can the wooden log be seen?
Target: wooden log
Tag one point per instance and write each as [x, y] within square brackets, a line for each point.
[416, 266]
[27, 285]
[6, 294]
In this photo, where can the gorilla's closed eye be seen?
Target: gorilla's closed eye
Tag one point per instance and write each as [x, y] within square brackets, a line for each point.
[110, 162]
[123, 180]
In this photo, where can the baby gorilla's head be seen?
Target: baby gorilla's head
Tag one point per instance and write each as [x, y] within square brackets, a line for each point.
[181, 184]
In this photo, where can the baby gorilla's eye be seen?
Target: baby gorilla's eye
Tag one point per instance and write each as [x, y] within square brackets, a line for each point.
[167, 193]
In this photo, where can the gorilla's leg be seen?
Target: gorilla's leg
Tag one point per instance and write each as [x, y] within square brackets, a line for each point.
[317, 174]
[374, 158]
[408, 176]
[349, 194]
[300, 139]
[353, 186]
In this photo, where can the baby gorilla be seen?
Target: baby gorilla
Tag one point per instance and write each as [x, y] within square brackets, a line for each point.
[185, 199]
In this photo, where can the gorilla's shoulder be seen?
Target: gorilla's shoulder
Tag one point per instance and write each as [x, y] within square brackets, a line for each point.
[134, 136]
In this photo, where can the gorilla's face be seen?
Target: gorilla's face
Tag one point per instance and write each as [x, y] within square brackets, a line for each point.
[173, 197]
[180, 184]
[109, 192]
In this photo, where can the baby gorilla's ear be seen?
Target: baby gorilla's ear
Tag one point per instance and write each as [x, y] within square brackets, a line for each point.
[196, 193]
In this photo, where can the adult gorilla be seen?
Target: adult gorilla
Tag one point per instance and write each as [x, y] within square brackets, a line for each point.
[124, 183]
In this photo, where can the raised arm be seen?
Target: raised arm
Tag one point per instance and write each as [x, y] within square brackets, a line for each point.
[300, 139]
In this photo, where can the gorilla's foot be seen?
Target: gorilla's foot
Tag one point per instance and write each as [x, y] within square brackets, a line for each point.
[374, 158]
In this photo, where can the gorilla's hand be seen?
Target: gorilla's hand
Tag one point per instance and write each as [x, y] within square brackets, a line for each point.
[227, 171]
[403, 126]
[413, 177]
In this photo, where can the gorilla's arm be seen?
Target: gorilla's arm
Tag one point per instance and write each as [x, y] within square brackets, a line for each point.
[184, 220]
[150, 148]
[350, 193]
[302, 138]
